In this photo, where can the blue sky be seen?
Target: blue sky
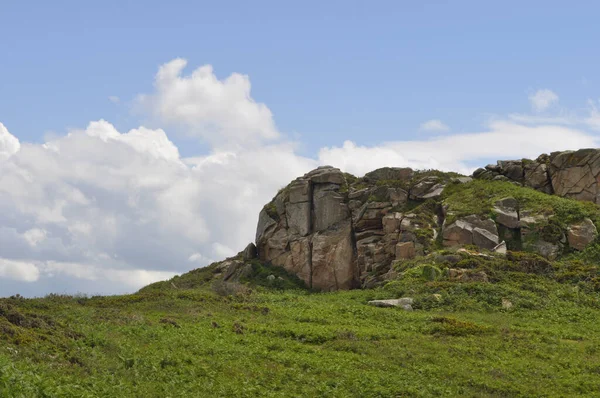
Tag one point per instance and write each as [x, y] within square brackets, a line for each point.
[329, 71]
[139, 140]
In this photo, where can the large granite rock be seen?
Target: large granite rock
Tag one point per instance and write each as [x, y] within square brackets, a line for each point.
[536, 176]
[570, 174]
[390, 173]
[506, 211]
[575, 174]
[582, 234]
[427, 188]
[333, 236]
[471, 230]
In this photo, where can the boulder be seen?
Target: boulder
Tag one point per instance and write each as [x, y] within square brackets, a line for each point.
[575, 174]
[512, 169]
[404, 303]
[249, 252]
[405, 251]
[427, 188]
[236, 270]
[326, 175]
[536, 176]
[458, 233]
[391, 222]
[506, 212]
[582, 234]
[485, 239]
[500, 248]
[546, 249]
[264, 223]
[397, 196]
[471, 230]
[508, 202]
[462, 180]
[479, 172]
[390, 173]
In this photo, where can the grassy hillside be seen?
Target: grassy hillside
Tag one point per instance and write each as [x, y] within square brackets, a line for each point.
[514, 325]
[196, 340]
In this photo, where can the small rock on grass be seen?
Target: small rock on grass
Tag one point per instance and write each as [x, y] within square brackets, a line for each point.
[405, 303]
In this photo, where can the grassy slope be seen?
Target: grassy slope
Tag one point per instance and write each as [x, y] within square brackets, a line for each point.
[293, 343]
[181, 338]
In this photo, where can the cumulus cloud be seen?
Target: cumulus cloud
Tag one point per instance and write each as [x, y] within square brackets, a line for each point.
[103, 211]
[433, 125]
[9, 144]
[125, 209]
[221, 112]
[503, 139]
[543, 99]
[18, 270]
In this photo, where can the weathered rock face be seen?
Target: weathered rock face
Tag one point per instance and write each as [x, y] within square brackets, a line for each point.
[575, 174]
[336, 231]
[334, 236]
[307, 230]
[570, 174]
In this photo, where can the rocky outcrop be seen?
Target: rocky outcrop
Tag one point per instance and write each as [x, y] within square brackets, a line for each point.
[307, 230]
[575, 174]
[336, 231]
[533, 174]
[570, 174]
[337, 236]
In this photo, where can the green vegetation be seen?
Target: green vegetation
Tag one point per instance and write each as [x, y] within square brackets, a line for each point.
[478, 197]
[271, 210]
[483, 325]
[188, 337]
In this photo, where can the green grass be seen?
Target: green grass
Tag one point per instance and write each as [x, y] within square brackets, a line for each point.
[193, 336]
[268, 342]
[479, 196]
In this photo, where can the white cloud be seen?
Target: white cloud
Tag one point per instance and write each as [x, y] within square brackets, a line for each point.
[114, 99]
[135, 278]
[9, 144]
[433, 125]
[111, 211]
[503, 140]
[34, 236]
[199, 258]
[543, 99]
[538, 119]
[18, 270]
[221, 112]
[118, 202]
